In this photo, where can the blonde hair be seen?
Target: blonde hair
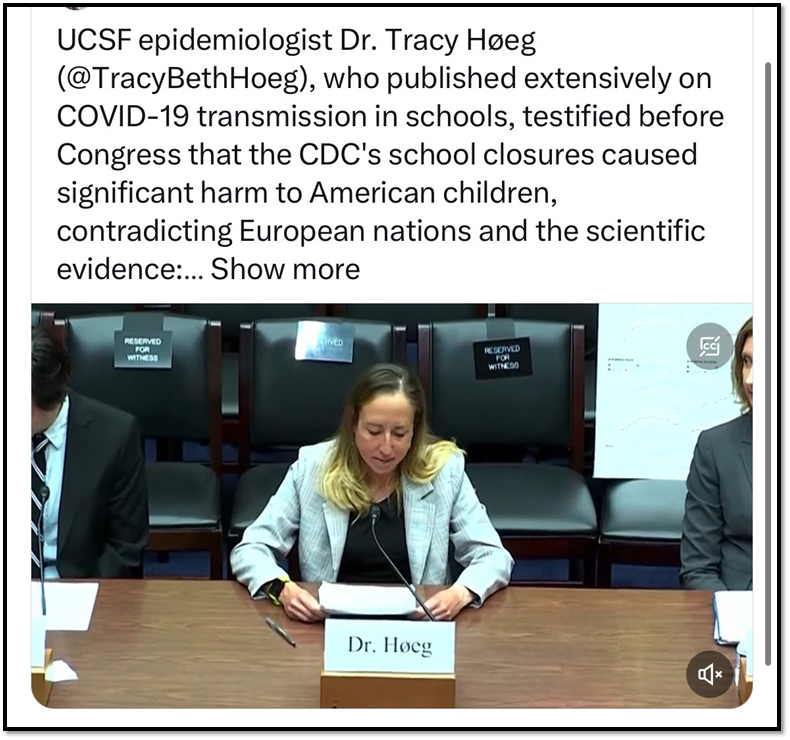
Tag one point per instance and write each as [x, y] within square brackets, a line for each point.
[737, 366]
[343, 480]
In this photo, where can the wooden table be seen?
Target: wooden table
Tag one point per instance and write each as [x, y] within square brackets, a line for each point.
[205, 644]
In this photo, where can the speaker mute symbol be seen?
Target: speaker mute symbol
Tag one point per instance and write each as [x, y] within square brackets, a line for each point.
[710, 674]
[706, 674]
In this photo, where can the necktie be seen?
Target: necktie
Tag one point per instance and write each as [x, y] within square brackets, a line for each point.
[37, 495]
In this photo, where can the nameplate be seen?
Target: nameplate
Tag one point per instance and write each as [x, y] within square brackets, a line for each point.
[151, 350]
[324, 341]
[388, 646]
[503, 358]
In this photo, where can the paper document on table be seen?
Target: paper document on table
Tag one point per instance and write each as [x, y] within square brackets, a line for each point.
[732, 616]
[69, 605]
[744, 650]
[339, 599]
[59, 671]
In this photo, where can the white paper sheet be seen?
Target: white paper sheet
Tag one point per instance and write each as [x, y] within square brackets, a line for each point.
[366, 600]
[69, 605]
[744, 649]
[732, 611]
[58, 671]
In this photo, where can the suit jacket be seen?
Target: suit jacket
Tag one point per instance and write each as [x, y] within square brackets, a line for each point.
[103, 515]
[716, 543]
[436, 513]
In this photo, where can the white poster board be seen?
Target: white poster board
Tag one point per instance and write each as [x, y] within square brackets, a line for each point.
[651, 400]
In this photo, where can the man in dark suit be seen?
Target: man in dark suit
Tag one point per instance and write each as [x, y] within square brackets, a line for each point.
[716, 543]
[88, 476]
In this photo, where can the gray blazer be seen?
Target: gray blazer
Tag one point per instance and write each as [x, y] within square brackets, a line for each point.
[436, 513]
[716, 543]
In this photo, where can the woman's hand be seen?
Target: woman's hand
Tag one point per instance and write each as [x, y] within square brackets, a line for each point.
[300, 605]
[446, 604]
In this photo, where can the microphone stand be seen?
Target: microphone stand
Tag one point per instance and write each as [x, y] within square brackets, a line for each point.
[40, 684]
[375, 513]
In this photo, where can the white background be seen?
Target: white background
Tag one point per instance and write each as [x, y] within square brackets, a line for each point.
[721, 193]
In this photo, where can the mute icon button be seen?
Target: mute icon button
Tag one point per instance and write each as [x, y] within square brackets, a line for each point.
[710, 674]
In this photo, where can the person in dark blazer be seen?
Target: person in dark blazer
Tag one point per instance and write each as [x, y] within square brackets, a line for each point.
[88, 476]
[383, 456]
[716, 543]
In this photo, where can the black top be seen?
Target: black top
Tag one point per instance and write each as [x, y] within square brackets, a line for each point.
[362, 561]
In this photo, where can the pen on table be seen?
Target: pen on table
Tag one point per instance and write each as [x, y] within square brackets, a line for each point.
[280, 631]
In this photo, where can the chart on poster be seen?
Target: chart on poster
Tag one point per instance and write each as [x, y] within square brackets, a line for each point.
[652, 400]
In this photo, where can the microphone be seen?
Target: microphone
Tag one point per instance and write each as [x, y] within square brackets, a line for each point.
[375, 513]
[44, 497]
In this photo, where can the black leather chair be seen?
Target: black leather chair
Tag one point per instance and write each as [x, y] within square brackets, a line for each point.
[641, 524]
[585, 314]
[286, 403]
[180, 403]
[232, 316]
[542, 511]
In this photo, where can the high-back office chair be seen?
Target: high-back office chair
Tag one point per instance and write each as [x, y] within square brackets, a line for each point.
[540, 510]
[178, 403]
[585, 314]
[641, 524]
[232, 316]
[60, 311]
[289, 403]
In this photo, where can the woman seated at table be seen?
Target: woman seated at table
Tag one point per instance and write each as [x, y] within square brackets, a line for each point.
[716, 544]
[382, 455]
